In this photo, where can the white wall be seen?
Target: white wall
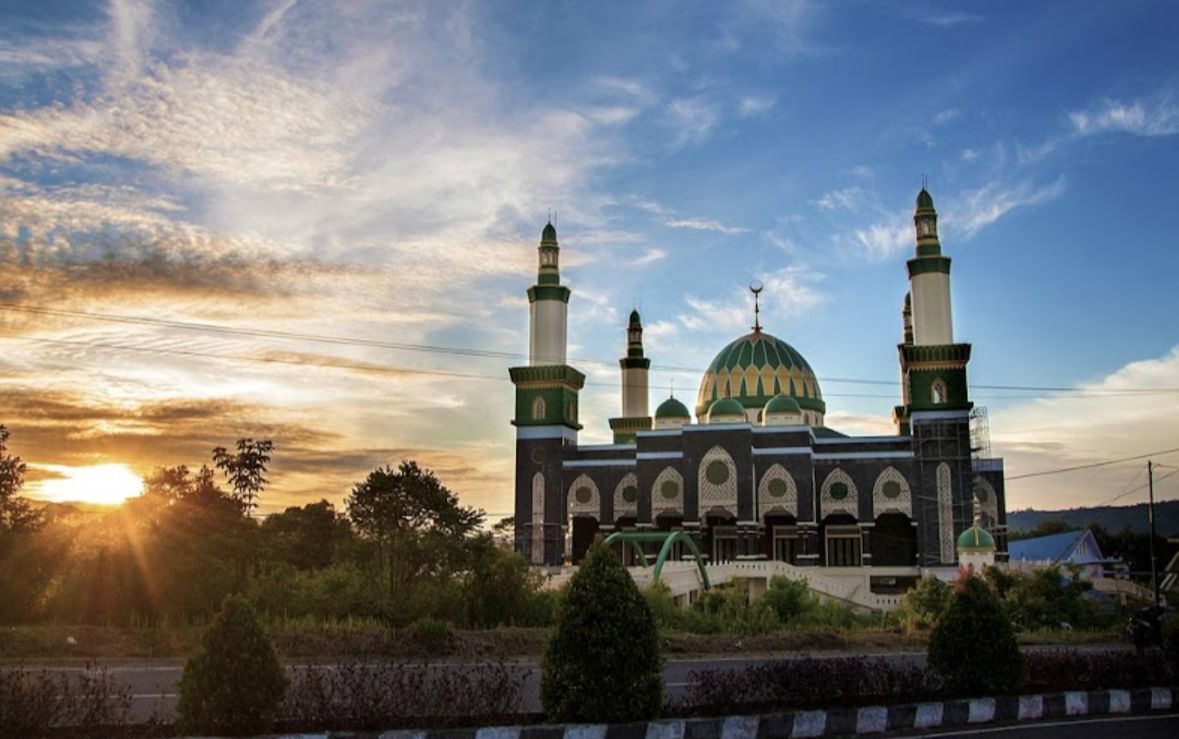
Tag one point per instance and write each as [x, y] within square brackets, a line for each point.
[932, 322]
[547, 321]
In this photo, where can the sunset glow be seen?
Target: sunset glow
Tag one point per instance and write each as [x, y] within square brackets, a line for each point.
[107, 484]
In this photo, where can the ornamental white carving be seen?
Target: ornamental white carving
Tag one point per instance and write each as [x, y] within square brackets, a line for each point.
[589, 507]
[938, 391]
[538, 409]
[988, 503]
[830, 502]
[538, 518]
[661, 503]
[882, 503]
[945, 513]
[722, 493]
[622, 507]
[767, 502]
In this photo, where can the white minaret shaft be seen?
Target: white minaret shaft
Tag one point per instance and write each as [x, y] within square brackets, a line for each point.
[634, 371]
[929, 280]
[548, 306]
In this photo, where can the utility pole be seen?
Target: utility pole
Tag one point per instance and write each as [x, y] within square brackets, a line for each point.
[1154, 575]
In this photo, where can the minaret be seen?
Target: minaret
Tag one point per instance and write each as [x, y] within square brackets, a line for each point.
[936, 405]
[635, 415]
[548, 305]
[546, 413]
[929, 279]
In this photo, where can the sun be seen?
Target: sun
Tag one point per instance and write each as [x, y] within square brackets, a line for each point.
[108, 484]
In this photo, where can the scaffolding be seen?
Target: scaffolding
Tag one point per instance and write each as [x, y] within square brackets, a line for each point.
[980, 433]
[935, 442]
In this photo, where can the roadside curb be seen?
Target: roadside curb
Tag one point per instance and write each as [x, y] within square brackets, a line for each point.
[842, 721]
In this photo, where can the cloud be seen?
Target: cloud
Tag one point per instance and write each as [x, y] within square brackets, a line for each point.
[751, 105]
[649, 256]
[943, 117]
[1099, 421]
[788, 293]
[949, 18]
[671, 219]
[692, 120]
[883, 239]
[1158, 116]
[969, 155]
[705, 224]
[848, 198]
[979, 208]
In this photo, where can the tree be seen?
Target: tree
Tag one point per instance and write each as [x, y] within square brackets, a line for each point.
[306, 537]
[234, 683]
[16, 513]
[602, 663]
[246, 469]
[973, 645]
[417, 523]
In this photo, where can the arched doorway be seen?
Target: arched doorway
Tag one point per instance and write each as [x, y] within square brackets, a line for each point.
[585, 528]
[782, 541]
[841, 541]
[720, 535]
[894, 541]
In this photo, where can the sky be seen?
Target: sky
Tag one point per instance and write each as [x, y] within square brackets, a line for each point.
[315, 222]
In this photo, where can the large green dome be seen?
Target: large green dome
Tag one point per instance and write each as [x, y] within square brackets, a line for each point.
[755, 368]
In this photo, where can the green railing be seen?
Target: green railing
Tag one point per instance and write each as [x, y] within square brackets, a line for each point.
[668, 539]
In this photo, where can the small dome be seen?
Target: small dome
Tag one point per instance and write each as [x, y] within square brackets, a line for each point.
[783, 404]
[924, 199]
[672, 408]
[726, 410]
[634, 316]
[976, 539]
[549, 233]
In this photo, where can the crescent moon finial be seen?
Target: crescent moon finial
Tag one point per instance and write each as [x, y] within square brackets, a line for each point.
[756, 287]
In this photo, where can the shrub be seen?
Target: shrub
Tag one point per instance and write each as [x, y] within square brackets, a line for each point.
[34, 703]
[362, 695]
[1048, 671]
[972, 647]
[1050, 598]
[602, 663]
[922, 606]
[1171, 645]
[234, 683]
[788, 599]
[726, 608]
[804, 683]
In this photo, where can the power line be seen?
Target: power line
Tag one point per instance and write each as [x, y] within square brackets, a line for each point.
[487, 353]
[1135, 490]
[1091, 465]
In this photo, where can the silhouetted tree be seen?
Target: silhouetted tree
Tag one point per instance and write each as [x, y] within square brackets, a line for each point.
[246, 469]
[16, 513]
[307, 537]
[417, 523]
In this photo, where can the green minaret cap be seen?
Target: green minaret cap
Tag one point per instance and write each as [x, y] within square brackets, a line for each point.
[549, 234]
[924, 199]
[634, 317]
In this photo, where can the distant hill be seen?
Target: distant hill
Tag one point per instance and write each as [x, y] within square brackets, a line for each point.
[1110, 518]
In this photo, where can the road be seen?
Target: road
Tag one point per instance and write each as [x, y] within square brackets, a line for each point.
[153, 687]
[1123, 727]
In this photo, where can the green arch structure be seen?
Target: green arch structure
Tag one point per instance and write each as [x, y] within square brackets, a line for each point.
[668, 538]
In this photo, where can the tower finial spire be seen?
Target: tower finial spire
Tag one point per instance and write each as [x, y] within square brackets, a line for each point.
[756, 287]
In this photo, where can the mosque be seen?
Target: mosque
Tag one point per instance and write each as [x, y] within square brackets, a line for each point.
[753, 471]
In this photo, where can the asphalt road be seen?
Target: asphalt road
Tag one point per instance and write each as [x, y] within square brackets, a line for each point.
[1124, 727]
[153, 687]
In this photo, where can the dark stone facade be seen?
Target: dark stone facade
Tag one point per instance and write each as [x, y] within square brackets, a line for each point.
[797, 493]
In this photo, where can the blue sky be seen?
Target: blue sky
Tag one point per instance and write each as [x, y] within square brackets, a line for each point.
[382, 171]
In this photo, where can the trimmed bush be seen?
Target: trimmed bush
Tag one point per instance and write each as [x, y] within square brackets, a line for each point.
[972, 647]
[603, 662]
[1056, 670]
[1171, 645]
[234, 683]
[804, 683]
[39, 703]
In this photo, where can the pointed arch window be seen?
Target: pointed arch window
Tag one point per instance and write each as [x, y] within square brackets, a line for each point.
[538, 409]
[938, 391]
